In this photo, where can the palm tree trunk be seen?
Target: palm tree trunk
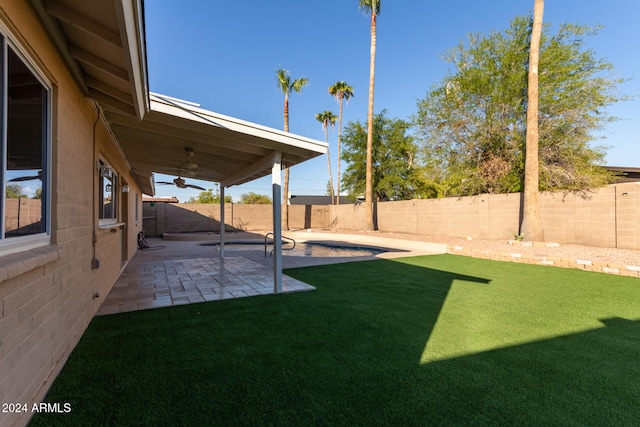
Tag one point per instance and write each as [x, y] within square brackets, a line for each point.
[368, 193]
[326, 137]
[339, 137]
[531, 227]
[285, 187]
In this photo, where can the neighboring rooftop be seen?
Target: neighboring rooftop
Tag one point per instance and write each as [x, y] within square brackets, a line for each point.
[627, 174]
[318, 200]
[161, 199]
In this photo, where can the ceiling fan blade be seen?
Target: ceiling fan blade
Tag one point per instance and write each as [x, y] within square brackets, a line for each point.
[24, 178]
[164, 182]
[195, 186]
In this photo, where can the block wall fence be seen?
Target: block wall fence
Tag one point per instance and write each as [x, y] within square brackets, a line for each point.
[603, 217]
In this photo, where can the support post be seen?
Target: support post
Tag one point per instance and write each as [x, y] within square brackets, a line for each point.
[222, 230]
[276, 183]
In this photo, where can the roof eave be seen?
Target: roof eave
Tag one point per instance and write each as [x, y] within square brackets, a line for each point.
[131, 21]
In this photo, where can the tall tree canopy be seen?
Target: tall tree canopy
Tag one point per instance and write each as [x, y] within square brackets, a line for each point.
[472, 125]
[252, 198]
[209, 197]
[15, 191]
[396, 175]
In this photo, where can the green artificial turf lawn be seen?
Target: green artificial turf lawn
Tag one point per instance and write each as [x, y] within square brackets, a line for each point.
[435, 340]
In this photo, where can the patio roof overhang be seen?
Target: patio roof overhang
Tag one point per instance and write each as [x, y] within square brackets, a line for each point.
[103, 43]
[227, 150]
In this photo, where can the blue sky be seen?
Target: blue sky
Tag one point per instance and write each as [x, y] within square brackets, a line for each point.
[223, 55]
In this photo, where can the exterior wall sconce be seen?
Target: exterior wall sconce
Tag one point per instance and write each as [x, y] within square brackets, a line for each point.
[125, 188]
[106, 172]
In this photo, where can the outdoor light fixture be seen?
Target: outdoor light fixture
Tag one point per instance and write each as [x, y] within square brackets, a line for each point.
[106, 172]
[125, 188]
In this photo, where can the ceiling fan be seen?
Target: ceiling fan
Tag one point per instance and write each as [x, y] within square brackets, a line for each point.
[27, 178]
[188, 168]
[181, 183]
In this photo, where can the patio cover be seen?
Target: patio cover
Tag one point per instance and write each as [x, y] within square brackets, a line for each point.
[103, 44]
[227, 150]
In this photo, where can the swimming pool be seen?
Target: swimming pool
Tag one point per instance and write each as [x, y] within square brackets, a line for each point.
[306, 249]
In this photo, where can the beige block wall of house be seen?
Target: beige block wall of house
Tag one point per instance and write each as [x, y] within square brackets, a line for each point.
[47, 295]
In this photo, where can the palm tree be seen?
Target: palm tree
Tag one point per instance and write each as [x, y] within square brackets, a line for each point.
[372, 6]
[328, 118]
[286, 85]
[341, 91]
[531, 227]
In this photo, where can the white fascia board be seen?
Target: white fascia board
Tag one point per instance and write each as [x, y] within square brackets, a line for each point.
[133, 41]
[165, 105]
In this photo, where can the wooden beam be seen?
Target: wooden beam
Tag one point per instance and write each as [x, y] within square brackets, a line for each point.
[261, 165]
[112, 102]
[83, 23]
[62, 43]
[109, 90]
[99, 63]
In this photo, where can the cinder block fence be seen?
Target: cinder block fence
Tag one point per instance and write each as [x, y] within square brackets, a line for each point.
[603, 217]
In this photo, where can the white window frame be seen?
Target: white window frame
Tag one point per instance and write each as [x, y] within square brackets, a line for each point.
[104, 170]
[24, 243]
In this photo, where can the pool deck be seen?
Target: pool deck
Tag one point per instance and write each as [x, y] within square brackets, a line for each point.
[174, 272]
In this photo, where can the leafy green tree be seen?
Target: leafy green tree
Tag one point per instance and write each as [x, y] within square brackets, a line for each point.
[327, 118]
[341, 91]
[373, 7]
[396, 173]
[286, 85]
[252, 198]
[472, 125]
[209, 197]
[15, 191]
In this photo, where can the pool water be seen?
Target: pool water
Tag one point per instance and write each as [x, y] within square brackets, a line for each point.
[306, 249]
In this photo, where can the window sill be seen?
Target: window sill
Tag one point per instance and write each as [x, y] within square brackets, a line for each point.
[14, 265]
[112, 225]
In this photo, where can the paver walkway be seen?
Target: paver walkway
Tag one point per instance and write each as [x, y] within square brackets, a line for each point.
[166, 282]
[184, 272]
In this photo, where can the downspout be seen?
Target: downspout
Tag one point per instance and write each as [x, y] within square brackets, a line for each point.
[95, 264]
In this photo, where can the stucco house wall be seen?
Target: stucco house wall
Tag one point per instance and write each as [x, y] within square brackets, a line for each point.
[48, 295]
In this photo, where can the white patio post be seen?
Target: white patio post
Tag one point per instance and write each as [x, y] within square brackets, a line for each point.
[222, 222]
[276, 182]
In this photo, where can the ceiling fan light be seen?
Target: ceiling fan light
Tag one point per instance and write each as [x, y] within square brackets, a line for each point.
[189, 166]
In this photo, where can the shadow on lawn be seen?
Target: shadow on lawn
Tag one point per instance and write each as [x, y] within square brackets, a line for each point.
[346, 354]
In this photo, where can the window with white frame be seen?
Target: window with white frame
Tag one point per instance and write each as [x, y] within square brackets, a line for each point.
[25, 145]
[108, 194]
